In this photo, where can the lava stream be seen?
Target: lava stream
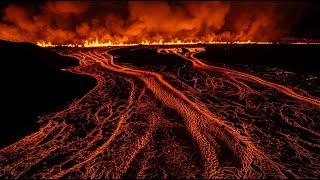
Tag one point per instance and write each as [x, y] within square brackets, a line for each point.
[196, 119]
[200, 65]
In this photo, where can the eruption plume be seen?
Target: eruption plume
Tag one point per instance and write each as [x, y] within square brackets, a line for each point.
[136, 22]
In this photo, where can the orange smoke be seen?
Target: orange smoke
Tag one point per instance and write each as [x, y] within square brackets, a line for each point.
[135, 22]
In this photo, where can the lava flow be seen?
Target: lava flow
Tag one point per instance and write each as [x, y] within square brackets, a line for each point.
[185, 119]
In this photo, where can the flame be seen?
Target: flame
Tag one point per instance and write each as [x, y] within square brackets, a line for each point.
[97, 43]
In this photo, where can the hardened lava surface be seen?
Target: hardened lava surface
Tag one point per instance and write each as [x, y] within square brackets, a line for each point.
[163, 113]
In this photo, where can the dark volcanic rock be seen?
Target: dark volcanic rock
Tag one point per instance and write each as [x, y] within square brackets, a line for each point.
[296, 58]
[32, 84]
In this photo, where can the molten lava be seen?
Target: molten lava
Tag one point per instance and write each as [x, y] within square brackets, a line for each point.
[97, 43]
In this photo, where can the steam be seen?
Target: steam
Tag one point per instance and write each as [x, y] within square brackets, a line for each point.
[132, 22]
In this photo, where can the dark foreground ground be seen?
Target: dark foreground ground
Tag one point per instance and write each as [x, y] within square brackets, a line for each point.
[32, 84]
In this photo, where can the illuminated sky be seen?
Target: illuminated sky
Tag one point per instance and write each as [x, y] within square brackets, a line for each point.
[73, 22]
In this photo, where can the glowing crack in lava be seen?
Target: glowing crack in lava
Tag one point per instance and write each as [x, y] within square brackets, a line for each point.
[191, 120]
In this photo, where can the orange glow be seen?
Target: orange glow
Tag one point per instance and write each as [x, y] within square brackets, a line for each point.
[106, 24]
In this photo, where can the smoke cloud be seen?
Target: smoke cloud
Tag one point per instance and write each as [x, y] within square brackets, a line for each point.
[74, 22]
